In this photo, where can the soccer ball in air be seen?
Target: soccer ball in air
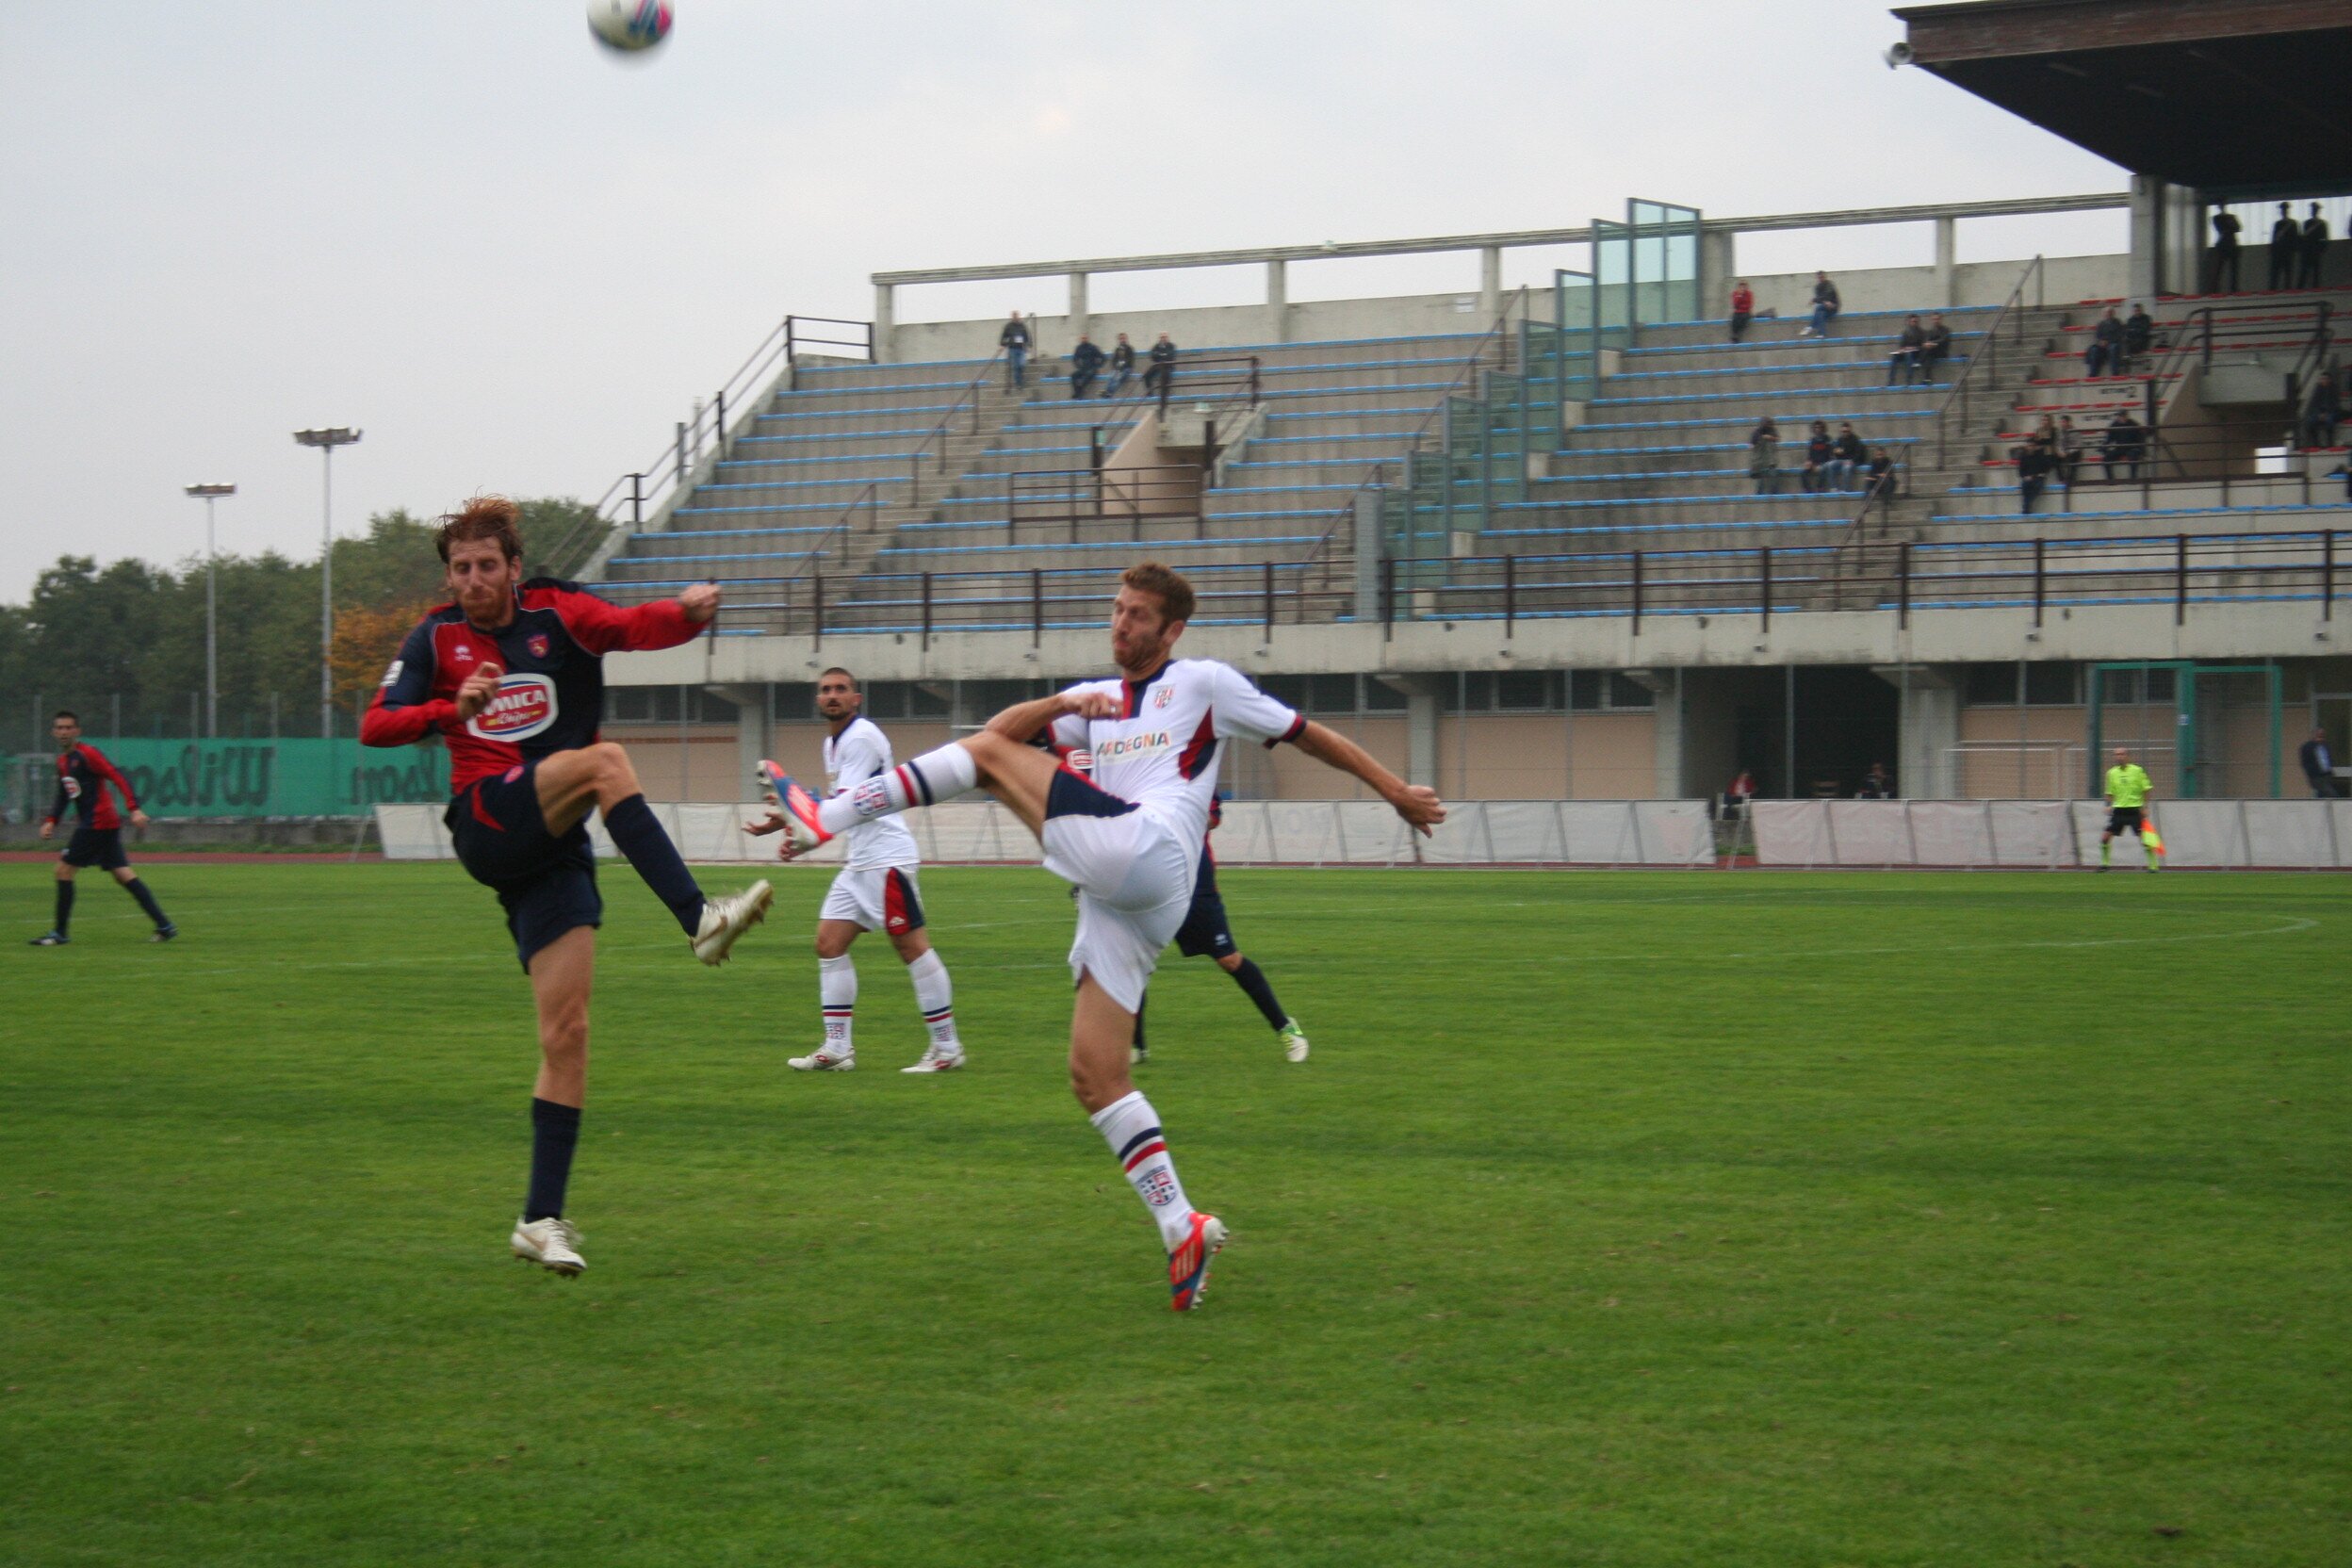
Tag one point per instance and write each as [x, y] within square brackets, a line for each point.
[628, 25]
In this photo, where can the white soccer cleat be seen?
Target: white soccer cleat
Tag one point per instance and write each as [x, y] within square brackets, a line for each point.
[552, 1244]
[1294, 1042]
[823, 1061]
[935, 1060]
[726, 918]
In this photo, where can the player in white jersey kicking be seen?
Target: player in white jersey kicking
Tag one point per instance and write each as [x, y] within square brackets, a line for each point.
[1129, 840]
[874, 891]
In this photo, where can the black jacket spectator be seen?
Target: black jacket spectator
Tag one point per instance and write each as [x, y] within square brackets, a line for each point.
[1938, 345]
[1085, 360]
[2139, 332]
[2035, 463]
[2286, 249]
[2319, 766]
[2122, 444]
[1161, 372]
[2314, 249]
[2321, 414]
[1014, 335]
[2104, 358]
[2225, 252]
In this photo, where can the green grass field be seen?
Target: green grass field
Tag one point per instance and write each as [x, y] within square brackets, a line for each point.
[1668, 1218]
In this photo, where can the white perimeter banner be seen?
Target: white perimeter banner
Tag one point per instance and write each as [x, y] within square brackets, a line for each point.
[1256, 833]
[2242, 835]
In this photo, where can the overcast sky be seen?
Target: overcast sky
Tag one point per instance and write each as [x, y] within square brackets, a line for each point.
[514, 261]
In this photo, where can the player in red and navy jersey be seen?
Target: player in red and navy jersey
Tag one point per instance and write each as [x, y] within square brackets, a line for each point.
[1207, 934]
[1128, 839]
[83, 776]
[510, 676]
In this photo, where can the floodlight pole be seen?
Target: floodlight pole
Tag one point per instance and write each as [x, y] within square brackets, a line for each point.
[326, 438]
[209, 493]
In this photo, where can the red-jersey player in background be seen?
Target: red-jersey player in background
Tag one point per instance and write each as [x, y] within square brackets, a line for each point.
[512, 677]
[82, 774]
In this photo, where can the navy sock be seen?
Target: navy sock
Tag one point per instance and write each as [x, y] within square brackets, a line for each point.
[137, 889]
[65, 908]
[554, 1133]
[1251, 978]
[1139, 1007]
[637, 832]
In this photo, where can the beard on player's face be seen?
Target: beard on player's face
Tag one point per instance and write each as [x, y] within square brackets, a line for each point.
[481, 580]
[1140, 631]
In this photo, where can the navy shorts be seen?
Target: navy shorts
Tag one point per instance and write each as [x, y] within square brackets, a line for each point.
[2124, 818]
[97, 846]
[546, 882]
[1205, 932]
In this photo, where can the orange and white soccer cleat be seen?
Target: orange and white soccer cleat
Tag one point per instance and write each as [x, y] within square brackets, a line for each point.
[1188, 1264]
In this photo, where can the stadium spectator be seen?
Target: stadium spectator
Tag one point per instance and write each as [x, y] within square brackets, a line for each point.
[2057, 435]
[2314, 249]
[1880, 473]
[1825, 306]
[2319, 767]
[1848, 455]
[2322, 411]
[1085, 360]
[1878, 784]
[1938, 347]
[2139, 332]
[2122, 446]
[1122, 366]
[1764, 456]
[1820, 452]
[2104, 358]
[1740, 793]
[2286, 247]
[1014, 340]
[2223, 257]
[1161, 373]
[1743, 309]
[2034, 466]
[1909, 360]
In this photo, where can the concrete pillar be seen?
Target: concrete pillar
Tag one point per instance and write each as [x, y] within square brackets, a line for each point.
[1490, 282]
[1421, 738]
[884, 320]
[1078, 321]
[1277, 301]
[1665, 686]
[1370, 546]
[1948, 261]
[1718, 268]
[1928, 726]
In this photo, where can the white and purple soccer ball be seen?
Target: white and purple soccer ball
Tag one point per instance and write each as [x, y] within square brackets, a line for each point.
[630, 26]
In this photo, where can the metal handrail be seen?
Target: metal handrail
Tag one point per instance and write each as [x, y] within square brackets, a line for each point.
[1986, 358]
[970, 394]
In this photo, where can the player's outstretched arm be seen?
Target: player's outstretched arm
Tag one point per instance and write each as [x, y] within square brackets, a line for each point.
[1417, 803]
[1025, 721]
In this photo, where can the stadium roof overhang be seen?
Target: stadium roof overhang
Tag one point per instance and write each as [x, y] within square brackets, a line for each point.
[2239, 99]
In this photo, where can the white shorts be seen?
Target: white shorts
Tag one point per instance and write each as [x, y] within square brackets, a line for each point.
[879, 899]
[1133, 877]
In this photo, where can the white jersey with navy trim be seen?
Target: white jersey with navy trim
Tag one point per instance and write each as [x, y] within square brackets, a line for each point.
[1161, 750]
[861, 752]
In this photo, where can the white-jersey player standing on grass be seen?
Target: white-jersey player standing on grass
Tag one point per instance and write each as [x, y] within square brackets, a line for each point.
[1129, 840]
[874, 891]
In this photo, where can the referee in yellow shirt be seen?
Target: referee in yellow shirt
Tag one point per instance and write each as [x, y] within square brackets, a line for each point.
[2128, 789]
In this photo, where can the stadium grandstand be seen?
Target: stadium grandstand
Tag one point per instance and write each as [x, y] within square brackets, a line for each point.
[1517, 539]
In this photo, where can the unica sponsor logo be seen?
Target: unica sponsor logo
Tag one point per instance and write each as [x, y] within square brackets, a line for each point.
[1126, 748]
[524, 707]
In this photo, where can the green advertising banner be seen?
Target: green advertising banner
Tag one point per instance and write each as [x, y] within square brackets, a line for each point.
[264, 779]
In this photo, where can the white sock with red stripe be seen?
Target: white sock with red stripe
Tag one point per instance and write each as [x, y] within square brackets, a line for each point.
[936, 996]
[934, 776]
[837, 992]
[1132, 1128]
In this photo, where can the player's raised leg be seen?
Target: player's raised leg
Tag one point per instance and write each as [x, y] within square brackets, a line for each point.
[1015, 773]
[1100, 1032]
[562, 975]
[570, 783]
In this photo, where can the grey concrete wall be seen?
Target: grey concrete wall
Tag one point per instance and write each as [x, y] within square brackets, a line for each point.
[1981, 282]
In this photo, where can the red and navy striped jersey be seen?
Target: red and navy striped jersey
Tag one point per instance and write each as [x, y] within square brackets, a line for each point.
[551, 693]
[82, 774]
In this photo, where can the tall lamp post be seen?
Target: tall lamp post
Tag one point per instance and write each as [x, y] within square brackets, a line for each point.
[326, 439]
[210, 493]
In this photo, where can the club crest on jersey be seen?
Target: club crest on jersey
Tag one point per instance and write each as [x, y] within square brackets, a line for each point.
[538, 644]
[1161, 697]
[1121, 748]
[461, 653]
[524, 707]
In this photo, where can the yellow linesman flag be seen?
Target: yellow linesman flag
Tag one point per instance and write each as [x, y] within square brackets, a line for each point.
[2149, 837]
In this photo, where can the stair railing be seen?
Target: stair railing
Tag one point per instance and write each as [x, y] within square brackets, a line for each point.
[964, 409]
[1953, 415]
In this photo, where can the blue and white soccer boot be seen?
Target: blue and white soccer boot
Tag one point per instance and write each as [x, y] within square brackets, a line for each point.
[1188, 1264]
[49, 939]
